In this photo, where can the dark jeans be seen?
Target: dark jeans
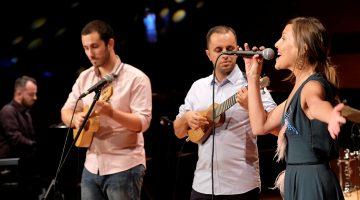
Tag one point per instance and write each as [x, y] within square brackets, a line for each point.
[251, 195]
[124, 185]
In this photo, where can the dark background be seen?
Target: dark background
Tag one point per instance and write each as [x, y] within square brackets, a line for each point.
[42, 39]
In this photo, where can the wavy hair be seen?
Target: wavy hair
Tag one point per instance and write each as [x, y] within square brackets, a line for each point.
[313, 43]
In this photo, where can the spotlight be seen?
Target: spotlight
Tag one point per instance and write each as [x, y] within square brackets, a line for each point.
[179, 15]
[150, 26]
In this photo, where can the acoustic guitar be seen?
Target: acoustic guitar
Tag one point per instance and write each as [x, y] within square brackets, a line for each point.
[201, 134]
[93, 124]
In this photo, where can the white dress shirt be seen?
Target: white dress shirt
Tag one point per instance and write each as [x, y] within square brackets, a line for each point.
[236, 162]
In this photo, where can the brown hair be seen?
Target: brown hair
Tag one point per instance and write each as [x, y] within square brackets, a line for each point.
[313, 42]
[219, 29]
[20, 82]
[105, 31]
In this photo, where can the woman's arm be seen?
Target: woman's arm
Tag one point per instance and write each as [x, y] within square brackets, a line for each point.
[316, 107]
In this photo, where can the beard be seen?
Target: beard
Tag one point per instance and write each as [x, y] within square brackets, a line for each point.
[27, 103]
[225, 69]
[102, 61]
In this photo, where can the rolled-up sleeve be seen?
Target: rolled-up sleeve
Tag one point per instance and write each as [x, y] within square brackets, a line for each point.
[189, 103]
[73, 97]
[141, 101]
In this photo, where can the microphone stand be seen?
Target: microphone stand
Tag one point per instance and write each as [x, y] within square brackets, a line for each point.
[214, 127]
[96, 98]
[62, 161]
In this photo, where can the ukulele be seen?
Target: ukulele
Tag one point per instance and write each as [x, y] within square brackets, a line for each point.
[93, 123]
[201, 134]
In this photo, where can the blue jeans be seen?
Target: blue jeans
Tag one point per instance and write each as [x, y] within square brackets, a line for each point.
[124, 185]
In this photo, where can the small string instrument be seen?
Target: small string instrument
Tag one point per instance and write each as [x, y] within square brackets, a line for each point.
[201, 134]
[93, 124]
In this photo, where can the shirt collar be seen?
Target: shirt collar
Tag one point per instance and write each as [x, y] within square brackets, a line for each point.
[231, 78]
[117, 67]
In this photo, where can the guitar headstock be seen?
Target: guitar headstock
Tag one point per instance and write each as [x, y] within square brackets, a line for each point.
[264, 82]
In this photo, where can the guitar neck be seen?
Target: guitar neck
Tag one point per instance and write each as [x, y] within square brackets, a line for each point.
[224, 106]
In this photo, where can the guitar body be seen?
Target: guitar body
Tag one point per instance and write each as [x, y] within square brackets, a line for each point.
[87, 134]
[93, 124]
[200, 135]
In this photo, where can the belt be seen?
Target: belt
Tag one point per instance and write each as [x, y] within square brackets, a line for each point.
[309, 163]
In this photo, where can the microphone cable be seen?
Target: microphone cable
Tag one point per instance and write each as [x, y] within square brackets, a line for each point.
[62, 159]
[213, 125]
[96, 97]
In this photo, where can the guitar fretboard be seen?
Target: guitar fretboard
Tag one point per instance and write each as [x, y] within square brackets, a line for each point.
[224, 106]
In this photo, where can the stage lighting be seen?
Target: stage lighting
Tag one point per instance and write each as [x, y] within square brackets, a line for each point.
[150, 26]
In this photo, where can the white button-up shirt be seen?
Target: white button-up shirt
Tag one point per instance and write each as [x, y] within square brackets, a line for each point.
[236, 162]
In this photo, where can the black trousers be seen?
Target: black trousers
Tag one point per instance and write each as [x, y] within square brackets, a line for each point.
[251, 195]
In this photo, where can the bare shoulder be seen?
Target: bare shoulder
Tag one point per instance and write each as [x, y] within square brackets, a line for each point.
[313, 88]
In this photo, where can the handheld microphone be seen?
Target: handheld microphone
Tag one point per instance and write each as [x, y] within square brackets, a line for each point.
[267, 53]
[107, 79]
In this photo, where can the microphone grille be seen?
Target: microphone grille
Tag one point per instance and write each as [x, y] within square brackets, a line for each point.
[268, 54]
[109, 77]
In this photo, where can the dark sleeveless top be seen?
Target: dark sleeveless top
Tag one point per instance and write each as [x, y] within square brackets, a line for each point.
[308, 140]
[309, 148]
